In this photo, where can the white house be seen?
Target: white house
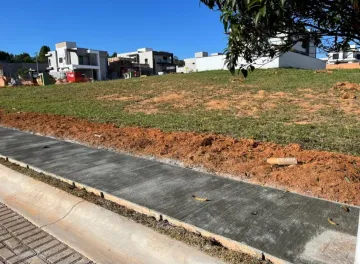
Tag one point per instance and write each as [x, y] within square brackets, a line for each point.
[67, 57]
[352, 55]
[158, 61]
[298, 57]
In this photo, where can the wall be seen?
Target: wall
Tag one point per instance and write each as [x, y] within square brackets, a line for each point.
[10, 69]
[190, 66]
[296, 60]
[343, 66]
[218, 63]
[61, 54]
[103, 67]
[53, 61]
[150, 59]
[210, 63]
[74, 58]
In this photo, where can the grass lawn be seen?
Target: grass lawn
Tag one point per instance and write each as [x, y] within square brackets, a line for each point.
[283, 106]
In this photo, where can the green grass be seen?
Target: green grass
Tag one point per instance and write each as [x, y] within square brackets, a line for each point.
[330, 127]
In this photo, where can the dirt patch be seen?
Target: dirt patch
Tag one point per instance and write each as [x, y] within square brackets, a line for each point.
[152, 105]
[324, 71]
[319, 174]
[310, 107]
[165, 98]
[279, 94]
[348, 95]
[117, 97]
[217, 105]
[347, 86]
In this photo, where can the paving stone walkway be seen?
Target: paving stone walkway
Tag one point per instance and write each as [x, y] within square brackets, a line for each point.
[21, 242]
[289, 226]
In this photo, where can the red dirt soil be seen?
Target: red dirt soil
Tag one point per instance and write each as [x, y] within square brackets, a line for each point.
[321, 174]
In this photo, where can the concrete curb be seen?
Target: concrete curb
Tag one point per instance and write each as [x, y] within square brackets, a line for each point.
[99, 234]
[228, 243]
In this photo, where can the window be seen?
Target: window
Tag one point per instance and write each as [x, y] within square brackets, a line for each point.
[60, 60]
[335, 56]
[165, 58]
[146, 61]
[49, 62]
[81, 60]
[358, 56]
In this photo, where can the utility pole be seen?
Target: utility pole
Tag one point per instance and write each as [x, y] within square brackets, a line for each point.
[37, 63]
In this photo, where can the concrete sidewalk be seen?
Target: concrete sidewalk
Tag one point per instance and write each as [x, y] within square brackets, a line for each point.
[99, 234]
[284, 225]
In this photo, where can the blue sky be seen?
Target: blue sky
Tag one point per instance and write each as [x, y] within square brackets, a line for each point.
[179, 26]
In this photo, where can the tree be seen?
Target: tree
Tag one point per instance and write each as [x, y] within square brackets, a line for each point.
[5, 56]
[179, 63]
[114, 55]
[23, 57]
[42, 54]
[250, 24]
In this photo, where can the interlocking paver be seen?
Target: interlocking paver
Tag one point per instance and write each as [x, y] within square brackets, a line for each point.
[29, 234]
[21, 257]
[6, 216]
[70, 259]
[15, 223]
[23, 243]
[9, 220]
[83, 261]
[40, 242]
[34, 237]
[4, 237]
[34, 260]
[5, 212]
[52, 251]
[60, 255]
[46, 246]
[23, 230]
[12, 243]
[5, 253]
[19, 226]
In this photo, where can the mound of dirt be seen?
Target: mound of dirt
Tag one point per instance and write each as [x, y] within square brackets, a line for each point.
[348, 95]
[347, 86]
[217, 105]
[322, 174]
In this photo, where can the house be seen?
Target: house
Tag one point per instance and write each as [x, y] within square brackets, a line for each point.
[122, 67]
[299, 57]
[349, 59]
[158, 61]
[67, 57]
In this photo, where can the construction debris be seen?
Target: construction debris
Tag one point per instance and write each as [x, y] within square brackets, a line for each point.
[332, 222]
[282, 161]
[201, 199]
[345, 208]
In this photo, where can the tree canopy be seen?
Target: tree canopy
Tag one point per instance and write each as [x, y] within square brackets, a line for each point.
[250, 24]
[42, 54]
[23, 57]
[178, 62]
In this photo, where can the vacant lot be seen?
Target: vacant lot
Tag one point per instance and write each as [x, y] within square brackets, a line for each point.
[281, 106]
[274, 113]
